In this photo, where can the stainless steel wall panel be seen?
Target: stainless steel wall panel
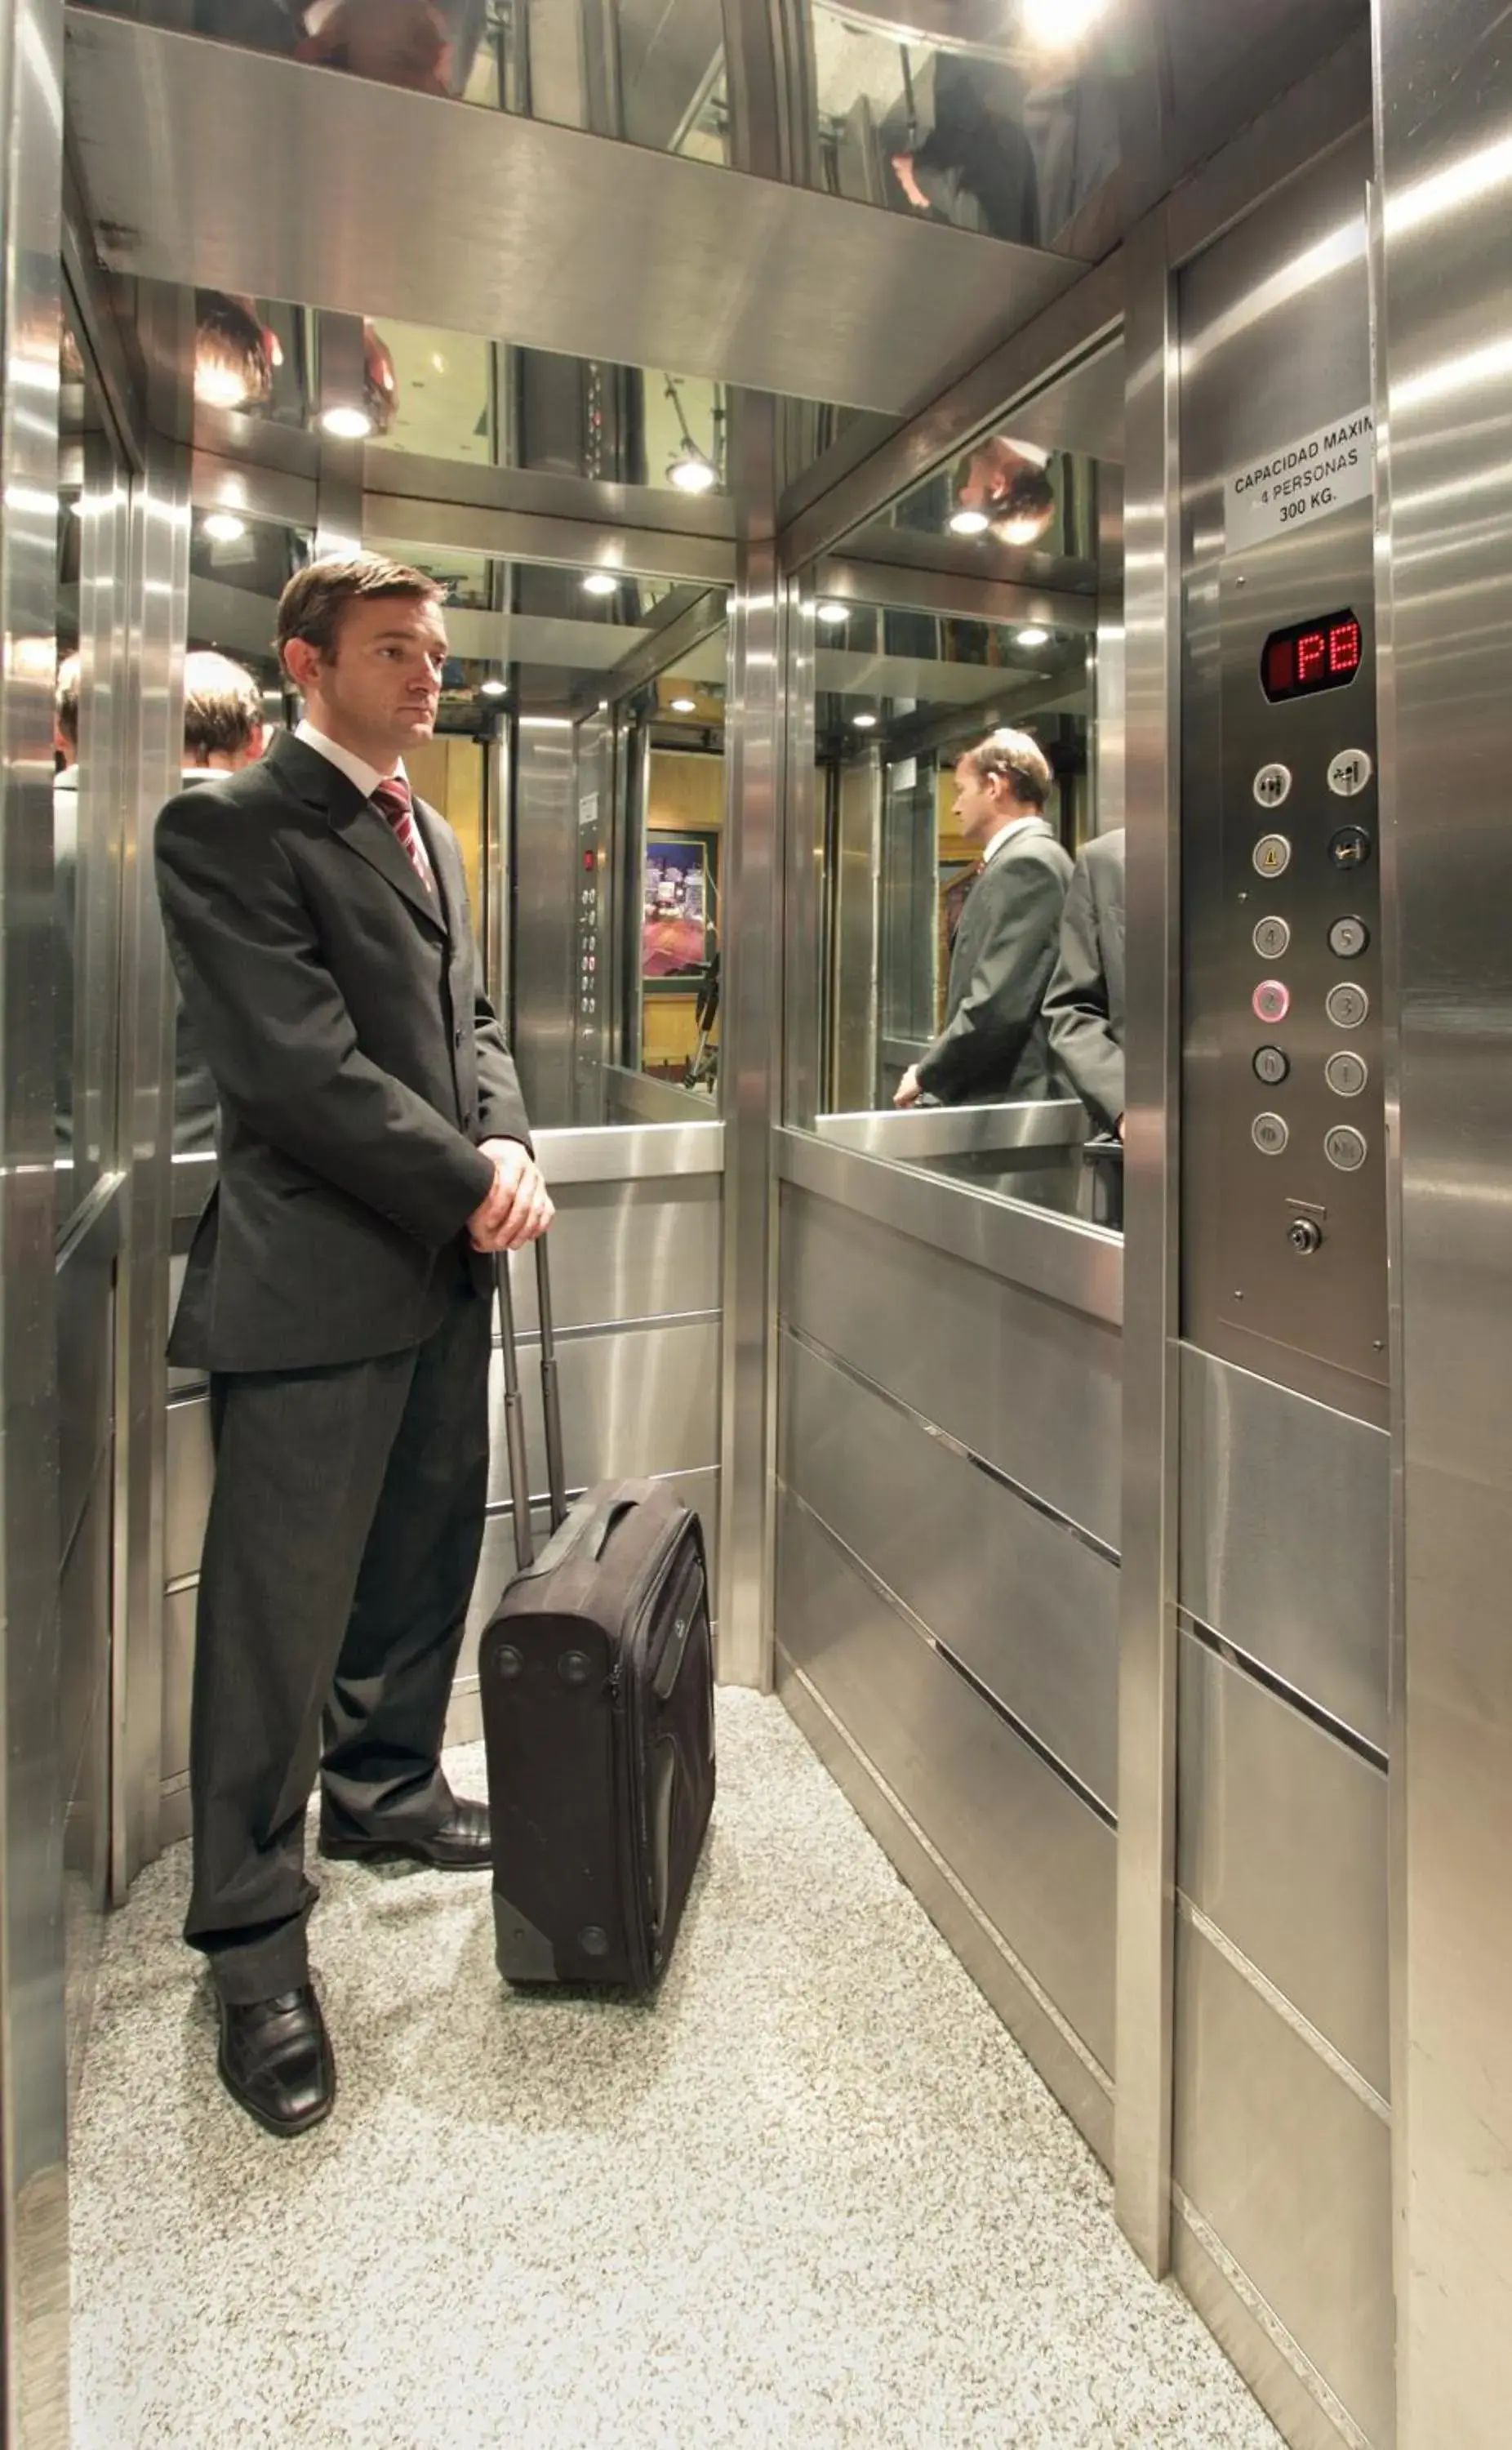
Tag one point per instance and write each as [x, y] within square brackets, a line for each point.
[1445, 346]
[190, 1476]
[85, 1294]
[530, 232]
[1283, 1845]
[751, 1057]
[1248, 2333]
[642, 1401]
[1029, 1609]
[1293, 2173]
[33, 2088]
[1082, 2089]
[177, 1682]
[626, 1250]
[1037, 1861]
[1285, 1536]
[1146, 1691]
[545, 899]
[1027, 1384]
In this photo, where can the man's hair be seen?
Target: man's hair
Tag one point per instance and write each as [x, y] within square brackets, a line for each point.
[223, 707]
[316, 597]
[1025, 510]
[1017, 757]
[232, 365]
[66, 701]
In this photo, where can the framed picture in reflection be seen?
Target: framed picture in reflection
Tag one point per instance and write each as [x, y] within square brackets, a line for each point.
[677, 933]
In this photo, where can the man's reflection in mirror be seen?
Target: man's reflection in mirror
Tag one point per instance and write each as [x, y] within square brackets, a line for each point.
[993, 1046]
[64, 894]
[222, 731]
[427, 46]
[957, 147]
[1007, 484]
[235, 352]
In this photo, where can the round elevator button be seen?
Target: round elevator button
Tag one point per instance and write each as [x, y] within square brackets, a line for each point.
[1270, 939]
[1347, 938]
[1346, 1148]
[1270, 1066]
[1348, 1005]
[1269, 1134]
[1349, 772]
[1345, 1074]
[1272, 784]
[1272, 855]
[1349, 847]
[1271, 1002]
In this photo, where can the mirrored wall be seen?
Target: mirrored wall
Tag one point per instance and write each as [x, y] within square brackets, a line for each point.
[961, 653]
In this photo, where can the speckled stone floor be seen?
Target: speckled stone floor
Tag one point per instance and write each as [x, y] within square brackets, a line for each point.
[815, 2197]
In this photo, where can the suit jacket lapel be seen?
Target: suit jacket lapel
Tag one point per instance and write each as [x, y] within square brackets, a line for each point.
[353, 821]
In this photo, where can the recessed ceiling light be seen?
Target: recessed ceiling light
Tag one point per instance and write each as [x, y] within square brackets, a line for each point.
[600, 582]
[494, 689]
[832, 614]
[865, 722]
[1057, 23]
[970, 523]
[685, 706]
[348, 424]
[219, 387]
[1034, 636]
[691, 472]
[223, 527]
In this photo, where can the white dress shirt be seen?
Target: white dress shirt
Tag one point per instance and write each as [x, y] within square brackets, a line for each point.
[990, 849]
[367, 778]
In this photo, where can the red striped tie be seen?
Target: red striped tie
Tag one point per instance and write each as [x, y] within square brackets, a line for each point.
[393, 802]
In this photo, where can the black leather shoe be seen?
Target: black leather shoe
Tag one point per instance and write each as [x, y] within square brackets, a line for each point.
[462, 1843]
[276, 2060]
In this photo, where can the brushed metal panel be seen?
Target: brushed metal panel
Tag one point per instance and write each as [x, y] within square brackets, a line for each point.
[1443, 127]
[627, 1249]
[1147, 1695]
[1029, 1609]
[1294, 2175]
[1026, 1383]
[1037, 1860]
[541, 235]
[642, 1401]
[178, 1679]
[1285, 1536]
[981, 1949]
[638, 1152]
[544, 877]
[1248, 2339]
[84, 1638]
[1283, 1844]
[915, 1133]
[85, 1296]
[1076, 1264]
[190, 1477]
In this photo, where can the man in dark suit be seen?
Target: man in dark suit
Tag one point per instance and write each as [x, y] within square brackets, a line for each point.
[1084, 1006]
[994, 1045]
[374, 1152]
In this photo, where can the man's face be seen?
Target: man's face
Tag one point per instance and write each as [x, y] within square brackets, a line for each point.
[382, 684]
[980, 807]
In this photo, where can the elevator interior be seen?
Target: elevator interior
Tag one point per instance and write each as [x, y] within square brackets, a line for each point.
[1080, 1554]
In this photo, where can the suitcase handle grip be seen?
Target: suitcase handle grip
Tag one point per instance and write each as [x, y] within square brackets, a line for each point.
[515, 1407]
[599, 1527]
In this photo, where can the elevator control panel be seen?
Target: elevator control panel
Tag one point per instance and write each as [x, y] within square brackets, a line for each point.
[590, 983]
[1301, 1234]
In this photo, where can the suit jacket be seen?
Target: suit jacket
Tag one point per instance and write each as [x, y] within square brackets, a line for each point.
[1085, 1005]
[358, 1062]
[995, 1046]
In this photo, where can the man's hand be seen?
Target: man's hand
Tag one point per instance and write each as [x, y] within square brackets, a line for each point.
[908, 1092]
[903, 170]
[1119, 1127]
[518, 1209]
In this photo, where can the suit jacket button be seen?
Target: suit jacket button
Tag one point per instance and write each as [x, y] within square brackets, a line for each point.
[456, 1038]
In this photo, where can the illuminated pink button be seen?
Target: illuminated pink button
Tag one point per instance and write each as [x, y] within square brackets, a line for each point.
[1271, 1002]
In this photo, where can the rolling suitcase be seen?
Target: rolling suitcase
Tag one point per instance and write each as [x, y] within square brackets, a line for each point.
[596, 1675]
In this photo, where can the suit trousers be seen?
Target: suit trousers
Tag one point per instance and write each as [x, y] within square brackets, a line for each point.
[339, 1556]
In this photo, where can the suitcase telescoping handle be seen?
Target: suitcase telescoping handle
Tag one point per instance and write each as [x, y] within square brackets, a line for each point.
[514, 1404]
